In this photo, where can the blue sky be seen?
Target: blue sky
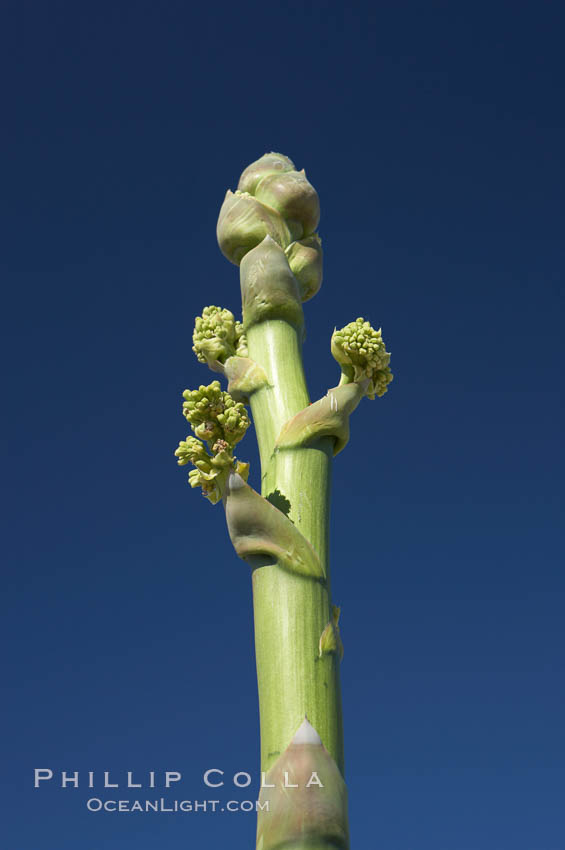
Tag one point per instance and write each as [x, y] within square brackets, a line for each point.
[434, 134]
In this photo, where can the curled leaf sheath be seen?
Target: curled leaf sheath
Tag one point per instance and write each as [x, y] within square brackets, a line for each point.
[256, 527]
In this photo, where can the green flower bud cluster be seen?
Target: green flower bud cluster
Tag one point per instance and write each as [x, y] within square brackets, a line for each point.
[207, 469]
[216, 418]
[361, 353]
[274, 199]
[210, 471]
[214, 415]
[217, 336]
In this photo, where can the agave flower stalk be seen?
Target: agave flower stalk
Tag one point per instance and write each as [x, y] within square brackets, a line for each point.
[268, 228]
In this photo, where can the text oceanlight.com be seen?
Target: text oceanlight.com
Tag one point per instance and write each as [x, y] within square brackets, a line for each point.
[95, 804]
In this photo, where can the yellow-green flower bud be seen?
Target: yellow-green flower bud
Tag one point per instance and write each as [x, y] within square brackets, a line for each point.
[305, 260]
[234, 422]
[244, 222]
[222, 459]
[294, 198]
[217, 335]
[269, 163]
[191, 450]
[208, 483]
[360, 351]
[194, 478]
[241, 349]
[203, 404]
[208, 430]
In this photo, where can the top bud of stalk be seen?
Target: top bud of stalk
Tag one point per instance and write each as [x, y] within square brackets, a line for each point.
[274, 199]
[361, 353]
[217, 336]
[268, 164]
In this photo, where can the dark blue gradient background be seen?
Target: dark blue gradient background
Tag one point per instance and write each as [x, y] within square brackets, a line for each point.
[434, 133]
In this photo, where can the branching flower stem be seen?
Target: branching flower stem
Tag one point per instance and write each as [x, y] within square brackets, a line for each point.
[267, 227]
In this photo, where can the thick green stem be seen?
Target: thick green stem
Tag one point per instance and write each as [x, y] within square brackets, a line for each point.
[275, 345]
[267, 228]
[291, 611]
